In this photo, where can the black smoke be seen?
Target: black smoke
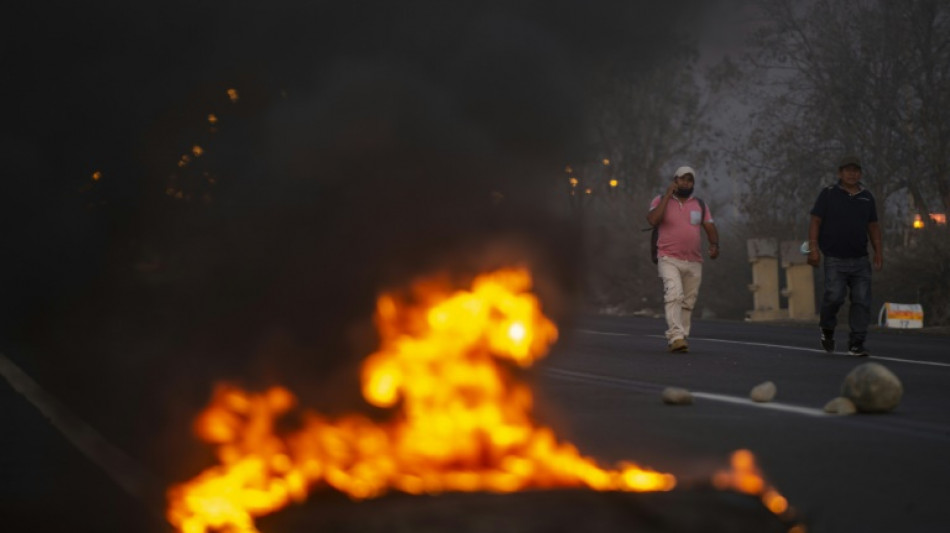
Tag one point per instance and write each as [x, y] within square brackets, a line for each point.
[372, 142]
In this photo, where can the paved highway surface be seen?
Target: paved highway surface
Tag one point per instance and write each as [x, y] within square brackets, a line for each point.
[67, 468]
[868, 473]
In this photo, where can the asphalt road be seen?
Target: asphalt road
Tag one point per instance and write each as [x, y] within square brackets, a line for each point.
[600, 389]
[868, 473]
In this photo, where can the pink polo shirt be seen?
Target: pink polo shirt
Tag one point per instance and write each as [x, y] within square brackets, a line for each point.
[679, 230]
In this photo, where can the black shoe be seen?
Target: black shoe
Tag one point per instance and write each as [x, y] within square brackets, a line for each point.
[828, 340]
[858, 350]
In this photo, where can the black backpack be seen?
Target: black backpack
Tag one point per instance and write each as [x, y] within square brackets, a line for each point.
[656, 231]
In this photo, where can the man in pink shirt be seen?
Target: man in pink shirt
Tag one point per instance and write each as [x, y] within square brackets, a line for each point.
[679, 251]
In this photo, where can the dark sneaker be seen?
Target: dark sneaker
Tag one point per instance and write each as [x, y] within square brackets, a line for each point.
[858, 350]
[827, 340]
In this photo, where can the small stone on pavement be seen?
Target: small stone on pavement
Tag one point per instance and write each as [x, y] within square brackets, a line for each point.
[677, 396]
[840, 406]
[763, 392]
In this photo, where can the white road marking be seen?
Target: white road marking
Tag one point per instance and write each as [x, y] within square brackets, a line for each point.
[123, 470]
[899, 360]
[647, 387]
[932, 363]
[788, 408]
[746, 343]
[639, 386]
[782, 346]
[592, 332]
[916, 429]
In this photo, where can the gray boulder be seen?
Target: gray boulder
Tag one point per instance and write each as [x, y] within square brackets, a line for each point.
[873, 388]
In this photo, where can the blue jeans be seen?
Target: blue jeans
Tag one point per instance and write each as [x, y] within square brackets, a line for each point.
[843, 277]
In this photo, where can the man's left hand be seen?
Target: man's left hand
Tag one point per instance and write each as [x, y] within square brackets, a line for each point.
[713, 251]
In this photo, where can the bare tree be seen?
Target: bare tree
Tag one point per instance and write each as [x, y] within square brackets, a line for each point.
[871, 78]
[850, 76]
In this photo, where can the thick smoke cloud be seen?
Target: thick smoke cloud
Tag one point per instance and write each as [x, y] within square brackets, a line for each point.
[372, 142]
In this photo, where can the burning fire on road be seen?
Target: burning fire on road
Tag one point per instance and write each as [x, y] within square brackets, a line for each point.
[460, 419]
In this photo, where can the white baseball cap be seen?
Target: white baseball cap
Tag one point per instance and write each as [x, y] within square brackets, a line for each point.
[682, 171]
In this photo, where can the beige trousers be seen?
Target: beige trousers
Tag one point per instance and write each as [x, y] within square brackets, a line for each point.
[681, 281]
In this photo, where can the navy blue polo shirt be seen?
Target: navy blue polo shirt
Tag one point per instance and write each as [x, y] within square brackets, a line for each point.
[844, 221]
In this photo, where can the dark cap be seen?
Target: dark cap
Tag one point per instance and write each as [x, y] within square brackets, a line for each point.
[849, 161]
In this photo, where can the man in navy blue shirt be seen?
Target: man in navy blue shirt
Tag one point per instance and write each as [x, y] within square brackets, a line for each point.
[843, 218]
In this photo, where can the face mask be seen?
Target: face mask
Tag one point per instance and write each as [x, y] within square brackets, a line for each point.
[684, 192]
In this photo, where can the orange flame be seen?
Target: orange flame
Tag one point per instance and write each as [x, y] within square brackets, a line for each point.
[460, 422]
[744, 476]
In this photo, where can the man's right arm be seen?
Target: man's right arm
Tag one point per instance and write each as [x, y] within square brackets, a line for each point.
[655, 216]
[814, 228]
